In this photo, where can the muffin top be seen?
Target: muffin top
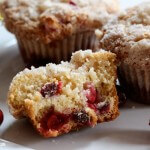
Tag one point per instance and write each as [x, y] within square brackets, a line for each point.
[53, 19]
[128, 35]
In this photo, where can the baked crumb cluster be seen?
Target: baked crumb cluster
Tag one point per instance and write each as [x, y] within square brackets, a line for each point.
[128, 35]
[42, 18]
[68, 96]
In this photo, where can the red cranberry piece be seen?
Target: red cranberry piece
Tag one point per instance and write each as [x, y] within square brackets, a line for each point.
[92, 106]
[53, 120]
[72, 3]
[45, 118]
[51, 89]
[90, 92]
[60, 85]
[81, 118]
[56, 121]
[1, 117]
[105, 108]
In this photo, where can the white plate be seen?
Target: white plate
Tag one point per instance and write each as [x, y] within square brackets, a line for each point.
[5, 145]
[130, 131]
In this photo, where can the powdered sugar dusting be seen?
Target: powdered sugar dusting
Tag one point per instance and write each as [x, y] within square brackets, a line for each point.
[128, 35]
[29, 10]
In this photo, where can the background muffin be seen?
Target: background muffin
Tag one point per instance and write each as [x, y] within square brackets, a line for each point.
[51, 30]
[128, 35]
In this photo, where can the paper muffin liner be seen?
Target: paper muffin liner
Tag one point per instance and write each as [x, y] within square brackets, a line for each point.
[135, 81]
[37, 53]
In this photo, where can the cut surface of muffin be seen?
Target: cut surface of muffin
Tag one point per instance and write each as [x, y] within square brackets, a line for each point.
[128, 36]
[68, 96]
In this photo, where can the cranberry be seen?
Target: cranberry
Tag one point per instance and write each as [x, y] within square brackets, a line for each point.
[54, 120]
[72, 3]
[81, 118]
[59, 87]
[94, 98]
[121, 95]
[51, 89]
[92, 106]
[105, 108]
[1, 117]
[90, 92]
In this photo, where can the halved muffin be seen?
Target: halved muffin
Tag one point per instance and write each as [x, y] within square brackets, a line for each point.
[68, 96]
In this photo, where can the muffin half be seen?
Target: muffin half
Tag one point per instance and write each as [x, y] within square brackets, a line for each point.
[68, 96]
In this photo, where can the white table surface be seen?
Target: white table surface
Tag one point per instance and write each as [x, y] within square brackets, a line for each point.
[130, 131]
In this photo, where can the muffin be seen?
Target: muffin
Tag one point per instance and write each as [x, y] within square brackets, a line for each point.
[128, 36]
[69, 96]
[50, 30]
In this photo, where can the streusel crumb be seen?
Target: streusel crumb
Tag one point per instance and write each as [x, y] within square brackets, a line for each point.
[49, 20]
[128, 35]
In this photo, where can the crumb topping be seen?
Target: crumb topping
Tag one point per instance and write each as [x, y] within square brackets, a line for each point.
[128, 35]
[64, 17]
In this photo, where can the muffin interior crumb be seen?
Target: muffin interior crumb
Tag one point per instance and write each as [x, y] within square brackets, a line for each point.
[86, 84]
